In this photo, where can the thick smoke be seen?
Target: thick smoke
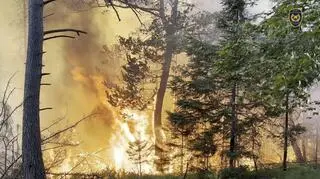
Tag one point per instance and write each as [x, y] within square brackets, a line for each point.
[79, 69]
[12, 51]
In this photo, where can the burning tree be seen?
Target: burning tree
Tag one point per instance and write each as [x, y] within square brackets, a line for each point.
[139, 152]
[149, 59]
[157, 49]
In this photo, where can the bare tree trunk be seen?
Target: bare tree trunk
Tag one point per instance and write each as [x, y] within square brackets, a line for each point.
[5, 153]
[304, 149]
[207, 162]
[186, 172]
[297, 151]
[223, 156]
[181, 168]
[140, 163]
[233, 126]
[317, 145]
[254, 158]
[170, 29]
[33, 167]
[285, 133]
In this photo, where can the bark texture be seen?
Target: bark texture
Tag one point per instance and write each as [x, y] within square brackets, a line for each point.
[33, 167]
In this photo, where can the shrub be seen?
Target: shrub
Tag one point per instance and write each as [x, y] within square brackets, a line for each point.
[234, 173]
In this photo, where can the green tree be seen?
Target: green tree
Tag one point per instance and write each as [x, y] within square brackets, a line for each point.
[139, 152]
[203, 146]
[181, 128]
[291, 55]
[220, 89]
[231, 21]
[198, 107]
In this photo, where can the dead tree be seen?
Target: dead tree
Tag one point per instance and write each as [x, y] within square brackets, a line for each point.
[33, 166]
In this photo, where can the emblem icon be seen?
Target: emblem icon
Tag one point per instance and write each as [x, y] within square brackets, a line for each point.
[295, 17]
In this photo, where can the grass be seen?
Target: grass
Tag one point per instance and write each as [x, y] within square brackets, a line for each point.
[294, 172]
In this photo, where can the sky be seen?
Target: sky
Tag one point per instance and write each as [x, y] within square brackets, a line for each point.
[215, 5]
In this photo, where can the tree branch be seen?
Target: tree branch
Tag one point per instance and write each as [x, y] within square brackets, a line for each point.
[78, 32]
[10, 166]
[48, 1]
[53, 124]
[4, 101]
[114, 9]
[152, 11]
[45, 74]
[8, 117]
[58, 36]
[66, 129]
[45, 84]
[43, 109]
[137, 15]
[46, 16]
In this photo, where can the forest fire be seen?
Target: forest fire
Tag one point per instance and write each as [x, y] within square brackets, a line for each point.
[160, 87]
[118, 154]
[133, 127]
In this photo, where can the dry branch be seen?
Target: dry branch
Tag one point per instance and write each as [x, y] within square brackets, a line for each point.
[78, 32]
[59, 36]
[46, 16]
[48, 1]
[4, 101]
[126, 4]
[9, 116]
[45, 74]
[114, 9]
[45, 84]
[53, 124]
[10, 166]
[68, 128]
[43, 109]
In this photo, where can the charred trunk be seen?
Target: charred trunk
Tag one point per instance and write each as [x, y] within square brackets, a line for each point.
[33, 166]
